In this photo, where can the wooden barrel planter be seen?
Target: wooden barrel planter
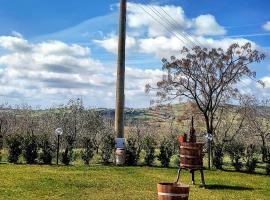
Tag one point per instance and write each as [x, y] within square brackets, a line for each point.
[172, 191]
[191, 155]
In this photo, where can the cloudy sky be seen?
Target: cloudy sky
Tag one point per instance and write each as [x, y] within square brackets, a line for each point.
[51, 51]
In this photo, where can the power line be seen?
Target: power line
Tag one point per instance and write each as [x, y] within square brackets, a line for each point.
[164, 26]
[154, 10]
[176, 23]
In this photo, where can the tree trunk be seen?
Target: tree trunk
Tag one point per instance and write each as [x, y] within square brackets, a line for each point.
[264, 151]
[209, 131]
[1, 141]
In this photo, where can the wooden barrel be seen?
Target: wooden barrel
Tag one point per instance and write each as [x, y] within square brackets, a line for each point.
[172, 191]
[191, 155]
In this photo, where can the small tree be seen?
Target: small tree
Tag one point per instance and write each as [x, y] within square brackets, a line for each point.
[259, 122]
[107, 148]
[67, 156]
[14, 143]
[236, 151]
[165, 153]
[70, 118]
[131, 152]
[6, 117]
[30, 149]
[46, 150]
[251, 160]
[268, 161]
[88, 150]
[136, 132]
[149, 147]
[218, 156]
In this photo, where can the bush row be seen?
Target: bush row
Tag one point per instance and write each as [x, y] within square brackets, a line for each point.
[240, 155]
[41, 150]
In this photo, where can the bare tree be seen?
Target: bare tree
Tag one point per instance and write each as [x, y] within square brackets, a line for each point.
[93, 125]
[70, 119]
[206, 77]
[231, 121]
[6, 118]
[259, 122]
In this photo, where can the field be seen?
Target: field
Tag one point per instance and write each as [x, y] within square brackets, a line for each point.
[109, 182]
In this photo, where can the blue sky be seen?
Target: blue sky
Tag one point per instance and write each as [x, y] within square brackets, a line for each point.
[54, 50]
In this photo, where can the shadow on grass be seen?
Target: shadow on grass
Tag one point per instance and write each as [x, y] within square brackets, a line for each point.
[227, 187]
[244, 172]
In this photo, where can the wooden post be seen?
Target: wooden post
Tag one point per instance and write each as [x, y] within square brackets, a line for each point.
[120, 85]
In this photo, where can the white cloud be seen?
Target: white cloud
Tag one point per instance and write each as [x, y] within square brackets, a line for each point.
[266, 26]
[161, 46]
[54, 71]
[111, 43]
[266, 81]
[147, 36]
[207, 25]
[138, 18]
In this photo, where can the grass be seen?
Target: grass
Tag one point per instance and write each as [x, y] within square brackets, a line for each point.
[109, 182]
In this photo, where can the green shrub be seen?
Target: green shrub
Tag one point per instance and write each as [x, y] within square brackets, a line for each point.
[131, 152]
[251, 160]
[66, 157]
[14, 144]
[30, 149]
[107, 148]
[268, 161]
[165, 153]
[236, 151]
[88, 152]
[218, 156]
[149, 147]
[175, 160]
[47, 150]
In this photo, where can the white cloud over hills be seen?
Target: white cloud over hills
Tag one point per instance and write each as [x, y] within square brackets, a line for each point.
[51, 71]
[55, 69]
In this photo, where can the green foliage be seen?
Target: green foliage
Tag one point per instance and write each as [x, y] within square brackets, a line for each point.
[67, 156]
[30, 148]
[14, 143]
[88, 151]
[149, 147]
[218, 156]
[264, 153]
[251, 160]
[268, 161]
[236, 151]
[131, 152]
[165, 153]
[107, 148]
[47, 150]
[175, 160]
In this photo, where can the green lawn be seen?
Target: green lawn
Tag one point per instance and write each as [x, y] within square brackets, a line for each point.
[108, 182]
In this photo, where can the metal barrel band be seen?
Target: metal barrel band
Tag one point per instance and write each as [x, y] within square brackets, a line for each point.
[172, 194]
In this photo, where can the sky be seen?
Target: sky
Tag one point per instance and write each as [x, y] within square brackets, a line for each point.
[51, 51]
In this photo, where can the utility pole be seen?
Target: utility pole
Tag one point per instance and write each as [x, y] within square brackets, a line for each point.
[120, 86]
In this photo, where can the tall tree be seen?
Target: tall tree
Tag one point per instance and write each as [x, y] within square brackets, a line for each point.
[207, 77]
